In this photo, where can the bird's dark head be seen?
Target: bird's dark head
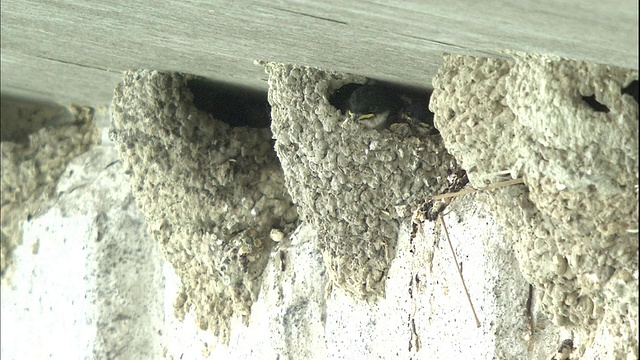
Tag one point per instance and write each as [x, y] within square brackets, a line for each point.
[373, 106]
[417, 114]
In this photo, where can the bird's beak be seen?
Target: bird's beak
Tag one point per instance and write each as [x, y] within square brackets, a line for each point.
[365, 117]
[359, 117]
[350, 117]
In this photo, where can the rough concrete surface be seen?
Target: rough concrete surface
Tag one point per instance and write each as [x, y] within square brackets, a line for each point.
[212, 194]
[37, 142]
[77, 49]
[85, 280]
[122, 263]
[574, 222]
[425, 314]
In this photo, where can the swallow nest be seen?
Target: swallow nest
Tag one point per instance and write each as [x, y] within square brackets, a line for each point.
[353, 185]
[574, 224]
[211, 194]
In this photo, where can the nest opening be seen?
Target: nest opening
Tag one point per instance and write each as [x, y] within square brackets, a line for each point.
[236, 106]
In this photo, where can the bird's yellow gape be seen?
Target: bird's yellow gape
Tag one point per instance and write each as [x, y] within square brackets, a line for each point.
[365, 116]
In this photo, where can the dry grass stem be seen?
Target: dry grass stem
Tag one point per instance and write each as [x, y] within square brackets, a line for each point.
[497, 185]
[455, 260]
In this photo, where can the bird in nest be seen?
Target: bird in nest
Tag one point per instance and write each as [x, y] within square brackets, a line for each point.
[379, 107]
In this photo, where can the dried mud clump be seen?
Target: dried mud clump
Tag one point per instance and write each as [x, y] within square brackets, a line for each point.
[570, 129]
[211, 193]
[33, 163]
[354, 185]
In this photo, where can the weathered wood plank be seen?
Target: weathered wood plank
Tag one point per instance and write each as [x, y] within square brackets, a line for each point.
[74, 49]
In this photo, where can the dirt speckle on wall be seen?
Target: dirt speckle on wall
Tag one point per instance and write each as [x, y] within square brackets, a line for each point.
[354, 185]
[544, 119]
[211, 193]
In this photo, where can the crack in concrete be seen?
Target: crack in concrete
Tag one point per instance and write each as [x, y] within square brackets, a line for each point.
[78, 64]
[312, 16]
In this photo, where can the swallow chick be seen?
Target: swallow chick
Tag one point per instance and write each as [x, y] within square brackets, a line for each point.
[374, 106]
[417, 115]
[340, 98]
